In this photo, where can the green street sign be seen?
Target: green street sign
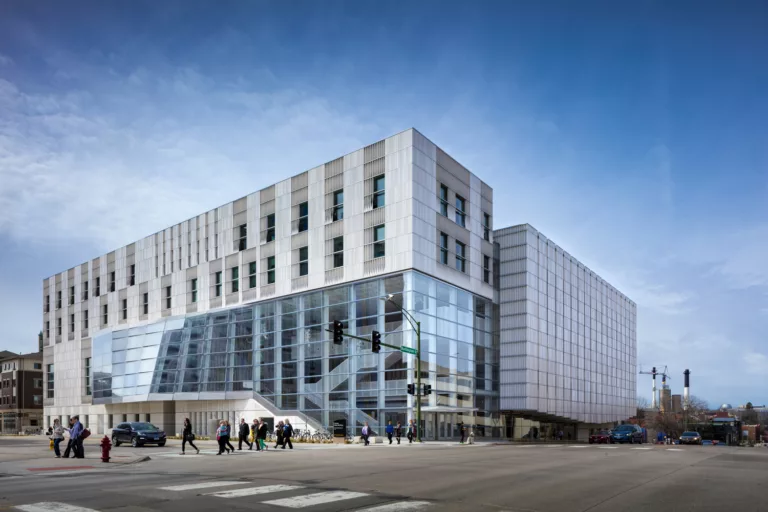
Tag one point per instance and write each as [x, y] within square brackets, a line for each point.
[408, 350]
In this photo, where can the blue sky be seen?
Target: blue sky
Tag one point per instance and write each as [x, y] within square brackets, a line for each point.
[632, 135]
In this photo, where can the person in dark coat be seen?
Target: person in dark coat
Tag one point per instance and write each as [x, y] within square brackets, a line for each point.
[187, 436]
[287, 434]
[279, 434]
[398, 432]
[263, 429]
[243, 434]
[255, 434]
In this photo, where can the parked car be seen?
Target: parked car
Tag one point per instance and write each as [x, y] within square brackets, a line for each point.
[603, 436]
[691, 438]
[138, 433]
[627, 434]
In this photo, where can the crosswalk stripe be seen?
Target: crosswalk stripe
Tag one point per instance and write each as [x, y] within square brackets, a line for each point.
[400, 506]
[675, 449]
[315, 499]
[608, 447]
[251, 491]
[575, 446]
[202, 485]
[641, 448]
[52, 506]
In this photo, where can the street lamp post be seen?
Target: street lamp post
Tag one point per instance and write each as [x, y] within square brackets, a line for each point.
[416, 325]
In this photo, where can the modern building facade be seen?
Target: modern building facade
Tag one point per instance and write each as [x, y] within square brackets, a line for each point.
[21, 392]
[225, 315]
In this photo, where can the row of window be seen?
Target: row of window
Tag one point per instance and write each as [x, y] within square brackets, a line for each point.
[96, 291]
[460, 261]
[460, 216]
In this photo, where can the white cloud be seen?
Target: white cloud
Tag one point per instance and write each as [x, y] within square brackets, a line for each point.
[117, 163]
[756, 363]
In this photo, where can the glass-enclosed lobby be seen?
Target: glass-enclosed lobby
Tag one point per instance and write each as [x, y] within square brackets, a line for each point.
[280, 352]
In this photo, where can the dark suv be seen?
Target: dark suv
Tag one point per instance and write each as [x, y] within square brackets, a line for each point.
[627, 434]
[138, 433]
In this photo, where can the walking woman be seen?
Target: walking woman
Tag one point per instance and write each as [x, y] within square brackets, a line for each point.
[58, 436]
[262, 438]
[279, 434]
[222, 436]
[398, 432]
[229, 436]
[187, 436]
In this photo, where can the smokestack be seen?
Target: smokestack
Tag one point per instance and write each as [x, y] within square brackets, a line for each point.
[654, 404]
[686, 392]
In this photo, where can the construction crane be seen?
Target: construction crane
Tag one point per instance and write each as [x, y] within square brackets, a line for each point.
[653, 373]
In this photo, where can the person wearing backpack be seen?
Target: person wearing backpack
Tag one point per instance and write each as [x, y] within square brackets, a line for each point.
[187, 436]
[287, 433]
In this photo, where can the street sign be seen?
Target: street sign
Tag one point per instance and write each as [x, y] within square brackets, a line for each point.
[340, 428]
[408, 350]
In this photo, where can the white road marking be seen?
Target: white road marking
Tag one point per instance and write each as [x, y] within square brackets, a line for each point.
[319, 498]
[608, 447]
[202, 485]
[400, 506]
[641, 448]
[52, 506]
[553, 446]
[576, 446]
[675, 450]
[251, 491]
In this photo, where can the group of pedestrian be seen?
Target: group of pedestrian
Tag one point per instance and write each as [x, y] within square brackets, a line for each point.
[391, 431]
[254, 435]
[77, 435]
[283, 434]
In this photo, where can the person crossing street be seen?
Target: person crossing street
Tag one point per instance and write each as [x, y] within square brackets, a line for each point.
[366, 433]
[243, 434]
[255, 435]
[390, 430]
[287, 433]
[398, 432]
[263, 429]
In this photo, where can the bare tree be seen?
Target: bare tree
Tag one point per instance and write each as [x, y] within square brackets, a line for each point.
[642, 402]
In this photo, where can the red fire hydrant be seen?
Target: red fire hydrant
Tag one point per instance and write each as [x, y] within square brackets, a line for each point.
[105, 447]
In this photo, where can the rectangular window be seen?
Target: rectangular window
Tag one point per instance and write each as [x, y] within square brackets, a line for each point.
[378, 241]
[252, 274]
[461, 219]
[338, 205]
[105, 315]
[47, 329]
[37, 383]
[72, 323]
[112, 281]
[338, 252]
[461, 262]
[303, 261]
[132, 279]
[58, 327]
[487, 227]
[167, 297]
[443, 248]
[125, 309]
[58, 299]
[303, 217]
[47, 303]
[50, 378]
[235, 272]
[242, 240]
[217, 290]
[271, 227]
[38, 366]
[270, 269]
[443, 200]
[194, 290]
[87, 376]
[378, 191]
[71, 295]
[98, 287]
[146, 303]
[85, 319]
[487, 269]
[85, 290]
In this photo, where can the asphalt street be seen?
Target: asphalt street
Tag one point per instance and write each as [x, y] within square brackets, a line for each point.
[384, 478]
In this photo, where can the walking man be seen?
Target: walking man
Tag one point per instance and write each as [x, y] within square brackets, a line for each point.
[463, 430]
[71, 440]
[411, 431]
[390, 431]
[242, 435]
[366, 433]
[77, 438]
[279, 434]
[398, 432]
[287, 433]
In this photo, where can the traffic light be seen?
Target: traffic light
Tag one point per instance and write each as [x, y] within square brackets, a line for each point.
[375, 342]
[427, 390]
[338, 332]
[411, 389]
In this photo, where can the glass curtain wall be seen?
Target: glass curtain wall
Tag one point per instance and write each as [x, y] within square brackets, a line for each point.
[280, 350]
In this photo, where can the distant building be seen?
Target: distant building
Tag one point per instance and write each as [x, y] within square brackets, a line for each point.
[21, 392]
[677, 404]
[665, 400]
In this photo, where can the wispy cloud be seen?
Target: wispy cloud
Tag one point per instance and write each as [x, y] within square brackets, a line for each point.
[756, 363]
